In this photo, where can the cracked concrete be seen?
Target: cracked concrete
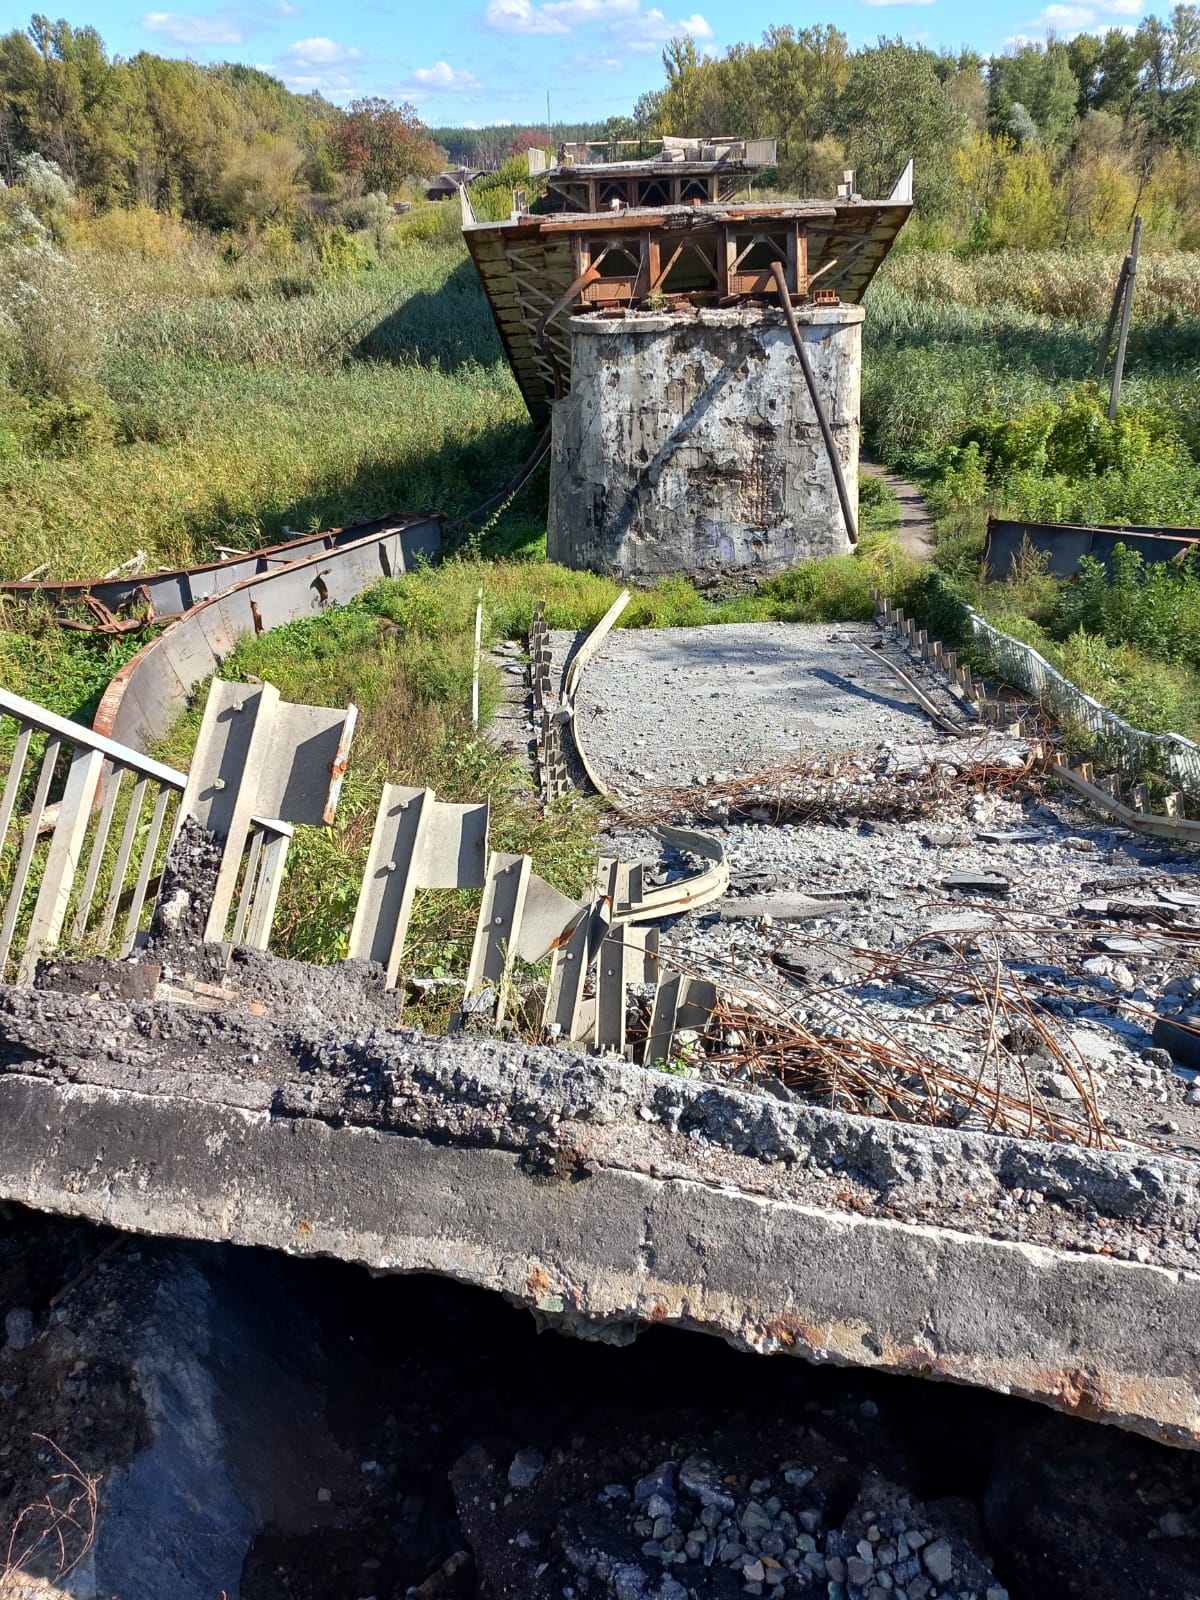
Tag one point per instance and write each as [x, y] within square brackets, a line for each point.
[604, 1197]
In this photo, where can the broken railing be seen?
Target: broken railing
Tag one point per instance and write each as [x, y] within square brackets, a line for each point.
[1133, 748]
[79, 801]
[92, 821]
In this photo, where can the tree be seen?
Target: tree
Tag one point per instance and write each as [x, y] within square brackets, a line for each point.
[679, 105]
[804, 73]
[894, 107]
[1020, 125]
[260, 182]
[379, 144]
[527, 139]
[1041, 80]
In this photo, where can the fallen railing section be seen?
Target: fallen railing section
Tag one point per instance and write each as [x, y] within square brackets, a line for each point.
[85, 808]
[1064, 544]
[163, 595]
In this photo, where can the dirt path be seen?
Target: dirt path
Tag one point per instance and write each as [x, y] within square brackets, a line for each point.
[915, 533]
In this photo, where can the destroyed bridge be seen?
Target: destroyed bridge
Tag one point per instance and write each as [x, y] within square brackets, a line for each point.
[181, 1081]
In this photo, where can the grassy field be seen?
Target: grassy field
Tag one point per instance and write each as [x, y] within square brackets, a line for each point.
[978, 384]
[230, 402]
[233, 395]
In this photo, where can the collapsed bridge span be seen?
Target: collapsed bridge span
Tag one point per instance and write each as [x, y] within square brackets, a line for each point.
[604, 1197]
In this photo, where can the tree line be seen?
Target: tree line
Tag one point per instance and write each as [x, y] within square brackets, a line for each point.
[221, 145]
[1053, 143]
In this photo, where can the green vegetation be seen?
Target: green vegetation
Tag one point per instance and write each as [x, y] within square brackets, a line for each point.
[223, 401]
[1131, 639]
[987, 401]
[1045, 145]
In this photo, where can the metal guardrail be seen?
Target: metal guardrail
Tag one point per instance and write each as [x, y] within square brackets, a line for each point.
[1131, 748]
[1064, 544]
[171, 593]
[144, 699]
[83, 809]
[93, 822]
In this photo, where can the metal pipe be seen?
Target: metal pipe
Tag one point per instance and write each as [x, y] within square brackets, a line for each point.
[785, 300]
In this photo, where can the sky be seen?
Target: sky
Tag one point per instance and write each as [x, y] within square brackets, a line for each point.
[476, 62]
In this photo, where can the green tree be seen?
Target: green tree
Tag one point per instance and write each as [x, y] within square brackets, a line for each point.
[894, 106]
[1043, 81]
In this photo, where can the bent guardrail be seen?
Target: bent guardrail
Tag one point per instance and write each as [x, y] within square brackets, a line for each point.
[171, 593]
[1064, 544]
[86, 804]
[150, 691]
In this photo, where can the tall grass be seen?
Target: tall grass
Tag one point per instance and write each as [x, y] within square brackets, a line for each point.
[236, 401]
[1073, 284]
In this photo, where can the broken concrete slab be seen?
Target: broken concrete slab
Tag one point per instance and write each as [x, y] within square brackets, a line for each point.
[1181, 1043]
[604, 1197]
[778, 907]
[977, 882]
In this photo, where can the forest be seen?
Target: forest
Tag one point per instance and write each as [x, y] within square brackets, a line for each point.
[1046, 145]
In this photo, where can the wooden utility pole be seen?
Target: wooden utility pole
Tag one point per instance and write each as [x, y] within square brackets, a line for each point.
[1110, 326]
[1126, 310]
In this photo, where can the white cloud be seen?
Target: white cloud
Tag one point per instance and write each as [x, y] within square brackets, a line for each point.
[320, 52]
[521, 16]
[228, 24]
[1083, 18]
[442, 78]
[637, 29]
[1058, 16]
[649, 29]
[320, 64]
[899, 2]
[221, 27]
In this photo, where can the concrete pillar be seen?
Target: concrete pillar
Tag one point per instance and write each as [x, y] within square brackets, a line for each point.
[688, 442]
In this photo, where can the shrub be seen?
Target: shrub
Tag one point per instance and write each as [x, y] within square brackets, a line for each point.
[1156, 606]
[49, 323]
[341, 253]
[139, 231]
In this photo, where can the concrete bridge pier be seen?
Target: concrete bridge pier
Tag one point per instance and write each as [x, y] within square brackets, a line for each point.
[689, 442]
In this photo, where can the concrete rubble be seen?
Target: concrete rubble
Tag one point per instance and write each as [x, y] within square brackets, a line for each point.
[925, 896]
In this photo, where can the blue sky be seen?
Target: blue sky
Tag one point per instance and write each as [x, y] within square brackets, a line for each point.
[480, 61]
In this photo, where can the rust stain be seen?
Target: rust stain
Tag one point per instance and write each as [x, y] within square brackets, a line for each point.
[790, 1331]
[304, 1227]
[538, 1282]
[1080, 1392]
